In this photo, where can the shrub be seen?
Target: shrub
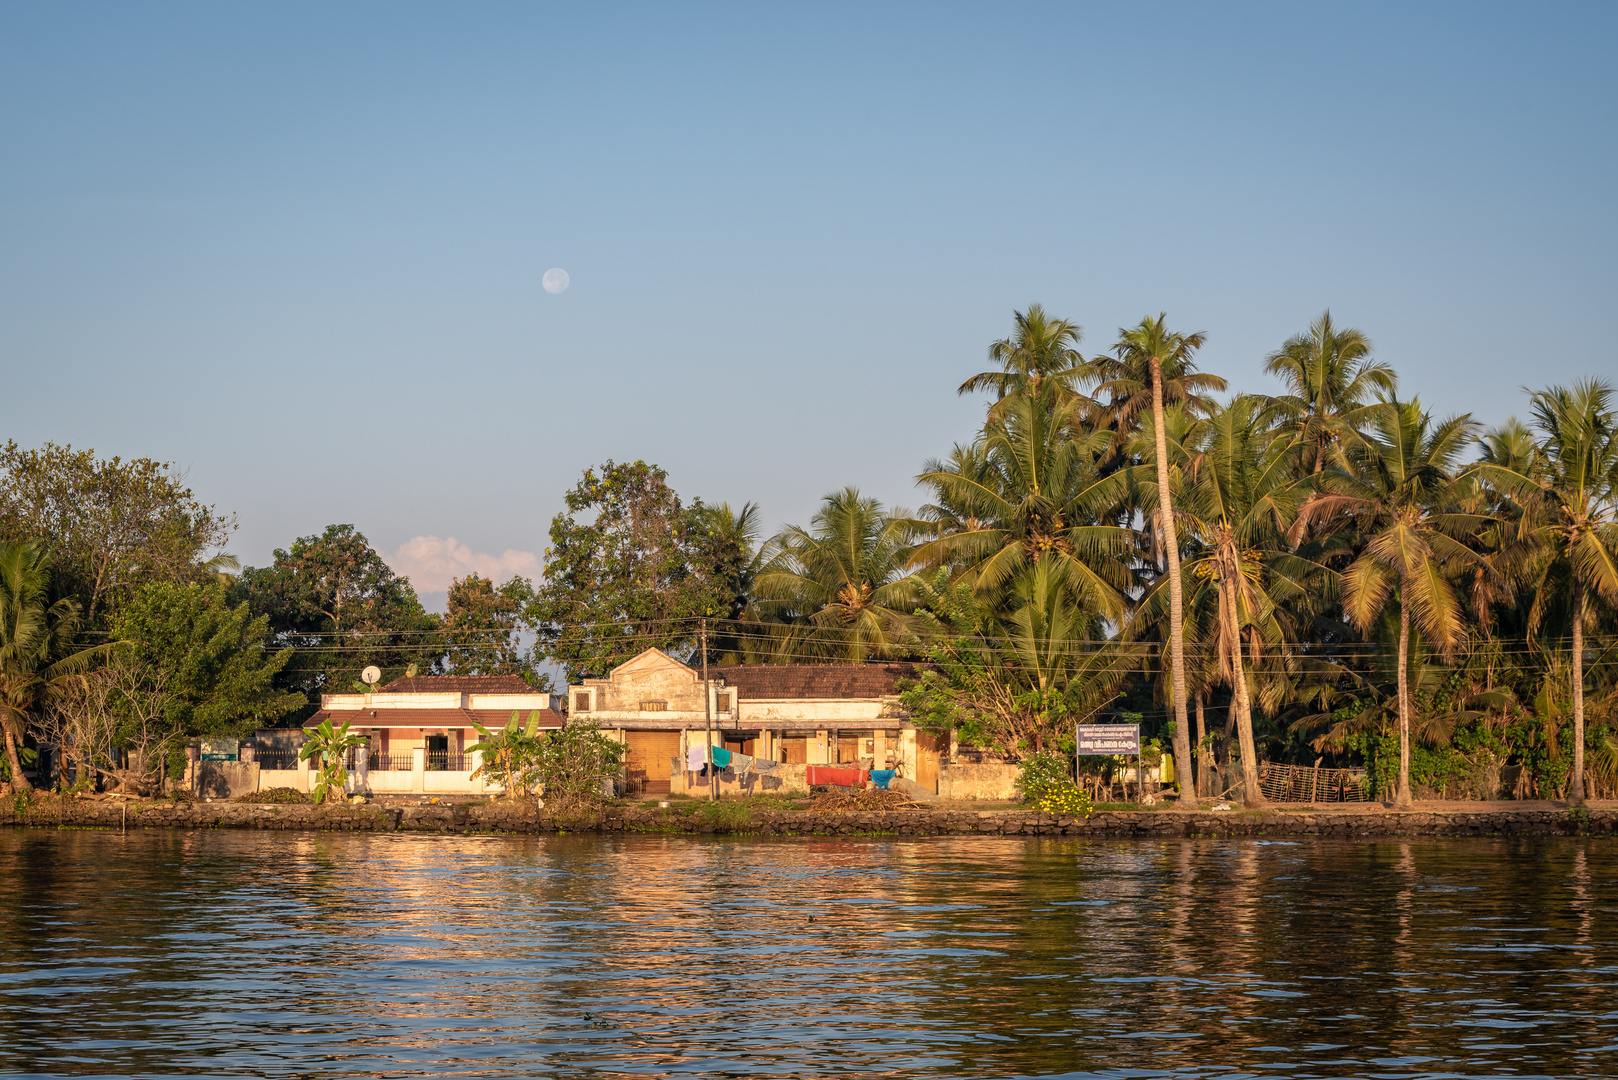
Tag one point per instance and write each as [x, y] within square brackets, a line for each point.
[1041, 772]
[1065, 797]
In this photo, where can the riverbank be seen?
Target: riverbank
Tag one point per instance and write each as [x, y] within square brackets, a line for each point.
[736, 818]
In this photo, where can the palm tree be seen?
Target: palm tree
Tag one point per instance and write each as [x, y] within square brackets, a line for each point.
[1400, 497]
[840, 589]
[1151, 359]
[1239, 499]
[731, 556]
[1029, 491]
[1043, 351]
[36, 655]
[1569, 489]
[1332, 380]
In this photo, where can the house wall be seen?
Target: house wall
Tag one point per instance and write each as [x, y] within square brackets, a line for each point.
[785, 780]
[994, 781]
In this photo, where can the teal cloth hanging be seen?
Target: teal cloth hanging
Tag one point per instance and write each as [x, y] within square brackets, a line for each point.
[721, 757]
[880, 777]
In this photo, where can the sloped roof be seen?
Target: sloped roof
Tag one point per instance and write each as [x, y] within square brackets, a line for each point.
[430, 718]
[765, 682]
[458, 684]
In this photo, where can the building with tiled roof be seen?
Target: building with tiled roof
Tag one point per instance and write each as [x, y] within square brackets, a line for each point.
[435, 713]
[812, 714]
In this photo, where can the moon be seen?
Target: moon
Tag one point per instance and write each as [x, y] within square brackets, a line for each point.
[556, 280]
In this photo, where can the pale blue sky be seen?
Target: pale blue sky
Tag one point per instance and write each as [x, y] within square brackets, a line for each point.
[298, 248]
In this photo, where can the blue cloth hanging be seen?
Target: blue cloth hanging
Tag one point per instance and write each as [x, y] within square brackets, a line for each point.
[880, 777]
[721, 757]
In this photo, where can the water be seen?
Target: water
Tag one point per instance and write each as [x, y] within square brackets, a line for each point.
[250, 954]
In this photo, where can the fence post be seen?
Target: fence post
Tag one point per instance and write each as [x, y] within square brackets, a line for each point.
[418, 770]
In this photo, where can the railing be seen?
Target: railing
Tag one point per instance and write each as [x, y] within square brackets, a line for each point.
[276, 759]
[447, 763]
[390, 763]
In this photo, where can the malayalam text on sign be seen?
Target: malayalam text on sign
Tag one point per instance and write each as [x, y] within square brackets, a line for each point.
[1109, 738]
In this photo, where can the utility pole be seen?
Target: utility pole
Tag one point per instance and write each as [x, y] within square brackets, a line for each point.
[707, 708]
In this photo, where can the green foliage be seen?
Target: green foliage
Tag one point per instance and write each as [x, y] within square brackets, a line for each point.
[277, 796]
[328, 747]
[219, 671]
[625, 571]
[111, 525]
[509, 756]
[576, 762]
[481, 631]
[1066, 798]
[1040, 773]
[335, 600]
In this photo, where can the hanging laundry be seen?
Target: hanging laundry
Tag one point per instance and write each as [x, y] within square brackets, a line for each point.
[880, 777]
[743, 764]
[696, 757]
[765, 765]
[826, 774]
[721, 757]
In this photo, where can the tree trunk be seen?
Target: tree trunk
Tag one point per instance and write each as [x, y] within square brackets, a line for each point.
[1575, 786]
[19, 782]
[1401, 796]
[1171, 545]
[1204, 757]
[1252, 795]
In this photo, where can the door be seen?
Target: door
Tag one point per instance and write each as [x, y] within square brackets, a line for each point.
[648, 761]
[927, 751]
[437, 753]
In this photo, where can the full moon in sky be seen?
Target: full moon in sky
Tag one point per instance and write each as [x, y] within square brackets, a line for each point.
[556, 280]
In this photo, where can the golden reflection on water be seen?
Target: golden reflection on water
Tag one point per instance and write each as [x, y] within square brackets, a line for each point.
[301, 954]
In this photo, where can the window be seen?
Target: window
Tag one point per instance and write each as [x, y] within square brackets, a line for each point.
[721, 702]
[654, 706]
[581, 701]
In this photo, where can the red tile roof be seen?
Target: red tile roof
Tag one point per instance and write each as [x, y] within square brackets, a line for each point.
[764, 682]
[458, 684]
[431, 718]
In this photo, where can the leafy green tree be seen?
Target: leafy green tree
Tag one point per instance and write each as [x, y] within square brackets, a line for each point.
[1031, 491]
[840, 590]
[1569, 490]
[1042, 352]
[110, 525]
[1401, 499]
[220, 669]
[334, 599]
[623, 573]
[37, 655]
[1332, 382]
[481, 631]
[728, 553]
[1153, 365]
[1017, 682]
[509, 756]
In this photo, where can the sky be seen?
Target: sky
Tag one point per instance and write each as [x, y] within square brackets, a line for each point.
[297, 249]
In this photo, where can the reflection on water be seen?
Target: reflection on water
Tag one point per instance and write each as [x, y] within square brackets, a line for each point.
[253, 954]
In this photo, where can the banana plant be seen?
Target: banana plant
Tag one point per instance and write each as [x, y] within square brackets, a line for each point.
[328, 747]
[509, 755]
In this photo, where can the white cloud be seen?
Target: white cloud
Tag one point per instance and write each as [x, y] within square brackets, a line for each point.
[431, 564]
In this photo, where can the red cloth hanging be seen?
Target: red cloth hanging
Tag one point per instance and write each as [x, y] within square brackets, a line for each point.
[826, 774]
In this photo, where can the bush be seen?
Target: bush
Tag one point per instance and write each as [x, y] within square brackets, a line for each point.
[1065, 797]
[1040, 773]
[278, 796]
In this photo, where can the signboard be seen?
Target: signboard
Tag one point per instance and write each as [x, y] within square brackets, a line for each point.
[1108, 739]
[219, 749]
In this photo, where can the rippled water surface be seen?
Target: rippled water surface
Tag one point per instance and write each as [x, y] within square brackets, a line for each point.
[231, 954]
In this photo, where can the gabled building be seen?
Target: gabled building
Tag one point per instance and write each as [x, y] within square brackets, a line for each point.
[801, 714]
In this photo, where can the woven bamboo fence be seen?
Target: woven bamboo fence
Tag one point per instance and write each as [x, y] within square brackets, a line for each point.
[1296, 784]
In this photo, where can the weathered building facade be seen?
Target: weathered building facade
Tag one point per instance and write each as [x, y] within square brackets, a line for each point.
[799, 714]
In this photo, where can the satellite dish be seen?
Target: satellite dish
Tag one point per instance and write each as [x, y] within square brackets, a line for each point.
[371, 675]
[411, 671]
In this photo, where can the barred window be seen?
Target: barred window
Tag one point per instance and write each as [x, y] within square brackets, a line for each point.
[722, 702]
[581, 701]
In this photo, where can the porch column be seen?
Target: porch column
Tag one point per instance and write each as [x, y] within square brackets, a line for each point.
[879, 758]
[418, 770]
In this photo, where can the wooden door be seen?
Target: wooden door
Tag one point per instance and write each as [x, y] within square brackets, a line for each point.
[927, 753]
[647, 762]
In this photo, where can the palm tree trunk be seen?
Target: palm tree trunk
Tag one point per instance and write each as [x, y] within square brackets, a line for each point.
[1171, 545]
[1401, 796]
[1204, 758]
[19, 782]
[1252, 796]
[1575, 787]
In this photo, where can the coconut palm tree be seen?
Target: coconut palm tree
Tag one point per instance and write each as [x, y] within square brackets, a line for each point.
[1153, 364]
[1030, 490]
[840, 589]
[1568, 488]
[1332, 382]
[37, 658]
[1042, 351]
[1400, 496]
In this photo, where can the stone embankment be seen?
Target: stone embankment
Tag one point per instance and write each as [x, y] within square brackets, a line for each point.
[698, 818]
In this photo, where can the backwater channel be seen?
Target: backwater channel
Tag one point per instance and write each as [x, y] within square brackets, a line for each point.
[305, 954]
